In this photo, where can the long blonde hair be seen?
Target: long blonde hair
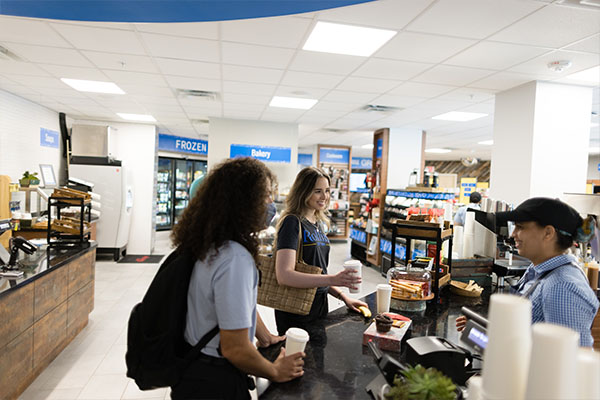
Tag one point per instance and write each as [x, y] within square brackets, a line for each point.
[296, 201]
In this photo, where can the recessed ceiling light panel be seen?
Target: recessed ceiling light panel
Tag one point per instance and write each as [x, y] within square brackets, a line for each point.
[459, 116]
[487, 142]
[137, 117]
[367, 146]
[93, 86]
[437, 151]
[292, 102]
[327, 37]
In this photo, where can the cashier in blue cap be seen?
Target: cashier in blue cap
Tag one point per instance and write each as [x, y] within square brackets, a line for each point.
[557, 287]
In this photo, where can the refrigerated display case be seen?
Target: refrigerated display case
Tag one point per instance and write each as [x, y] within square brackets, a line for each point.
[173, 183]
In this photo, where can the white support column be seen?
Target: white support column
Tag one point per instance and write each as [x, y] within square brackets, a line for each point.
[404, 155]
[541, 139]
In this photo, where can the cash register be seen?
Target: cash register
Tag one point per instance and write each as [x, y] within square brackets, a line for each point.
[8, 261]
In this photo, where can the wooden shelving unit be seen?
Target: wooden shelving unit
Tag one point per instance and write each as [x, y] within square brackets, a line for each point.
[336, 161]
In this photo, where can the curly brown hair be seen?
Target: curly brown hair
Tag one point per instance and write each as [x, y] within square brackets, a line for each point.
[229, 205]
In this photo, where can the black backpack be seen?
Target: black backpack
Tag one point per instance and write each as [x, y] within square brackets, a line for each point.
[157, 353]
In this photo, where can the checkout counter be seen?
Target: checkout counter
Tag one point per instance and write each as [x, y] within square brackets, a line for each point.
[338, 366]
[41, 311]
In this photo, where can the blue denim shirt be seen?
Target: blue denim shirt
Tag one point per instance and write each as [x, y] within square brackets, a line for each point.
[563, 296]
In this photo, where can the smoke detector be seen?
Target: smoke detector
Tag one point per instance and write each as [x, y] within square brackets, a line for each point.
[559, 66]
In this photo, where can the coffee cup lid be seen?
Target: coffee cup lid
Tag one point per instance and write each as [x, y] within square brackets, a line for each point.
[297, 334]
[352, 263]
[384, 286]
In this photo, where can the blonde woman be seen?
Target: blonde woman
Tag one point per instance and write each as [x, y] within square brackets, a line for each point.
[306, 214]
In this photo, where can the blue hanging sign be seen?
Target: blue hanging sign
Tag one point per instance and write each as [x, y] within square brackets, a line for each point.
[379, 147]
[48, 138]
[334, 156]
[163, 10]
[361, 163]
[598, 166]
[420, 195]
[262, 153]
[179, 144]
[304, 159]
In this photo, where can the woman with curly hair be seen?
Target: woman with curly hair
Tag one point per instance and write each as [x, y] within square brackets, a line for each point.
[305, 214]
[219, 228]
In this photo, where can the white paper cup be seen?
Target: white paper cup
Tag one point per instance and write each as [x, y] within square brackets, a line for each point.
[507, 353]
[356, 266]
[588, 373]
[552, 369]
[384, 295]
[295, 340]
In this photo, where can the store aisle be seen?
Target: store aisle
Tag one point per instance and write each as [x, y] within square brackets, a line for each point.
[93, 365]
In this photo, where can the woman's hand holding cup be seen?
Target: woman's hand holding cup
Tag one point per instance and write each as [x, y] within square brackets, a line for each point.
[346, 277]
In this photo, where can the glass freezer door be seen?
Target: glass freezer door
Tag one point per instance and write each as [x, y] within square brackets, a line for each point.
[164, 194]
[183, 180]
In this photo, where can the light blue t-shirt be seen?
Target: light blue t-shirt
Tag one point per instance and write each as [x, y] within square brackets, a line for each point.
[222, 291]
[461, 214]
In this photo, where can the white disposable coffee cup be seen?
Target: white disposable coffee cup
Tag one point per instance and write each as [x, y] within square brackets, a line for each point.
[295, 341]
[356, 266]
[384, 295]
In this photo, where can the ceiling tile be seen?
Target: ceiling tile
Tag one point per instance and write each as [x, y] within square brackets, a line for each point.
[50, 55]
[471, 18]
[390, 69]
[251, 74]
[471, 95]
[552, 26]
[248, 88]
[150, 92]
[100, 39]
[311, 80]
[384, 14]
[122, 62]
[242, 114]
[539, 65]
[246, 98]
[230, 106]
[62, 71]
[494, 55]
[502, 81]
[276, 31]
[189, 68]
[421, 89]
[590, 45]
[455, 76]
[137, 78]
[38, 82]
[181, 47]
[325, 106]
[349, 97]
[420, 47]
[311, 61]
[255, 56]
[202, 30]
[368, 85]
[21, 68]
[281, 114]
[22, 30]
[298, 91]
[181, 82]
[393, 100]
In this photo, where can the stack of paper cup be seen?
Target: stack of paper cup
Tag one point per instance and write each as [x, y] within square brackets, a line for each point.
[588, 374]
[357, 267]
[552, 369]
[447, 211]
[469, 235]
[295, 340]
[506, 361]
[384, 295]
[457, 240]
[474, 388]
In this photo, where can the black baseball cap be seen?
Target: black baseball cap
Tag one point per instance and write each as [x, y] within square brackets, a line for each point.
[545, 211]
[475, 197]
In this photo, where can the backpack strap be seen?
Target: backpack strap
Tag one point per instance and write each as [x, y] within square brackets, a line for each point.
[195, 352]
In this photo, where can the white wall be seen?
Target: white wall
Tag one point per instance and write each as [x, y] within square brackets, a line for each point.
[20, 149]
[224, 132]
[136, 146]
[592, 171]
[404, 155]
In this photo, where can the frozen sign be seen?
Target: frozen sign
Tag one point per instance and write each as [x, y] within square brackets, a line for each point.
[334, 156]
[179, 144]
[262, 153]
[48, 138]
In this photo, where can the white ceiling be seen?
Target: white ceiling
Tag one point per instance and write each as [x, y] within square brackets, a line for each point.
[448, 55]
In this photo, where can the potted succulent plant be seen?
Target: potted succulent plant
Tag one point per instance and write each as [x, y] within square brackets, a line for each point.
[29, 179]
[419, 383]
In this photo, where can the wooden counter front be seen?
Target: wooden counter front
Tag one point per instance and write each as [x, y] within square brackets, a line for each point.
[41, 315]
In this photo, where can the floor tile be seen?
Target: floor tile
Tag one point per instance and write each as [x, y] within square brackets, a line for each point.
[104, 387]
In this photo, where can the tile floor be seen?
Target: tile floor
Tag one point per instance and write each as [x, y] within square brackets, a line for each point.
[93, 365]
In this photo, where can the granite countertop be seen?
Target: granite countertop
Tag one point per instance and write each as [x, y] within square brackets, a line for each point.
[338, 366]
[40, 263]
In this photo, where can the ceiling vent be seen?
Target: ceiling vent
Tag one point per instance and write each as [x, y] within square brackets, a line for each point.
[380, 108]
[198, 94]
[6, 54]
[334, 130]
[199, 121]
